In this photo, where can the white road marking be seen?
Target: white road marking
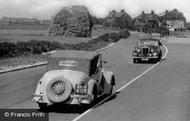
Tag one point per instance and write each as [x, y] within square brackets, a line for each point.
[50, 52]
[126, 85]
[102, 49]
[107, 47]
[164, 57]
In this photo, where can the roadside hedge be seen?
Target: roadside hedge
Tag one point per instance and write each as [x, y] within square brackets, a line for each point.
[10, 49]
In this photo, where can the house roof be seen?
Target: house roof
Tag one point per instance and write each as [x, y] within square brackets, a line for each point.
[74, 54]
[115, 14]
[147, 16]
[174, 14]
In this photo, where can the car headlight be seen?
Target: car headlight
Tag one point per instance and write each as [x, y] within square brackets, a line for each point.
[155, 54]
[134, 53]
[81, 89]
[138, 50]
[151, 50]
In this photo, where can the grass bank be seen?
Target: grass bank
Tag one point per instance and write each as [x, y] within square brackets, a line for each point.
[26, 50]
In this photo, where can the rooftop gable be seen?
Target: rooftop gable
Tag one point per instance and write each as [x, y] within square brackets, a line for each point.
[147, 16]
[173, 15]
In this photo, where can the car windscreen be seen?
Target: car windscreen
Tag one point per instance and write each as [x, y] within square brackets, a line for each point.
[148, 42]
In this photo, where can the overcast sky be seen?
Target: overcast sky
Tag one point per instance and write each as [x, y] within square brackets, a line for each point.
[100, 8]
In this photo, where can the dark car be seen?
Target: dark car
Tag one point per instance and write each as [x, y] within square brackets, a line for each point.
[148, 49]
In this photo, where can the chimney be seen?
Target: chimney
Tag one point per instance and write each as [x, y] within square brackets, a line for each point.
[152, 12]
[175, 9]
[142, 13]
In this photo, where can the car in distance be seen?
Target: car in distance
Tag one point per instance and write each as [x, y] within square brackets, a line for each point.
[147, 49]
[73, 77]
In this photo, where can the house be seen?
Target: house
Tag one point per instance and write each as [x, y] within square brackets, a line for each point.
[146, 19]
[188, 25]
[173, 20]
[118, 19]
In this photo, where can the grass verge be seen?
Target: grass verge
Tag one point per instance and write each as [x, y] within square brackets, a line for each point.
[20, 53]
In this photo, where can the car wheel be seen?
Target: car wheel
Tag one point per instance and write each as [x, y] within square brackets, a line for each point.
[58, 89]
[159, 57]
[42, 106]
[139, 60]
[135, 60]
[94, 96]
[111, 90]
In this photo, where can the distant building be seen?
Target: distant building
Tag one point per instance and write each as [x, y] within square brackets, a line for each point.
[188, 25]
[46, 22]
[118, 19]
[18, 20]
[173, 20]
[146, 19]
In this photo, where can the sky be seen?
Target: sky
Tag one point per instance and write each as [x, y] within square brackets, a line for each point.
[44, 9]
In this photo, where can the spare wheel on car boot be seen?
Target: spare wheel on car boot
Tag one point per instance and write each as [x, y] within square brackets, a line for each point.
[58, 89]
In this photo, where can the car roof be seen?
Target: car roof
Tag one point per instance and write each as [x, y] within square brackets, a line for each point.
[74, 54]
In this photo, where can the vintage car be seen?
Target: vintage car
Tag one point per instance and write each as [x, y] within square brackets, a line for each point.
[147, 49]
[73, 77]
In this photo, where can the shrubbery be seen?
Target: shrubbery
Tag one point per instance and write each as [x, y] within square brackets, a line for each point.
[124, 33]
[9, 49]
[161, 30]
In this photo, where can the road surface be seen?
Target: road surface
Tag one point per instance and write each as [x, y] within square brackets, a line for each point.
[160, 94]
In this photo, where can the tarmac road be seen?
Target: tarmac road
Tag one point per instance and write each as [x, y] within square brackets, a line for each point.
[161, 94]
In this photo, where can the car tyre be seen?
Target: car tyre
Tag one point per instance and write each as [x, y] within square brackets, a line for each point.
[111, 90]
[113, 83]
[159, 57]
[139, 60]
[42, 106]
[94, 96]
[135, 60]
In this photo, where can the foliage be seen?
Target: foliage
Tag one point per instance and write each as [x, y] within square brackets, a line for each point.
[96, 20]
[24, 26]
[10, 49]
[188, 25]
[161, 30]
[124, 33]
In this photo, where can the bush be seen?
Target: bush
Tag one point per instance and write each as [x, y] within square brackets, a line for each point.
[133, 28]
[103, 37]
[8, 49]
[113, 37]
[124, 34]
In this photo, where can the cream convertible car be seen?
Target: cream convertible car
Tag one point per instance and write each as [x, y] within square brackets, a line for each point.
[73, 77]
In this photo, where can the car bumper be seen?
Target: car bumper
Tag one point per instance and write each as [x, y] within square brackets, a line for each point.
[145, 58]
[73, 100]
